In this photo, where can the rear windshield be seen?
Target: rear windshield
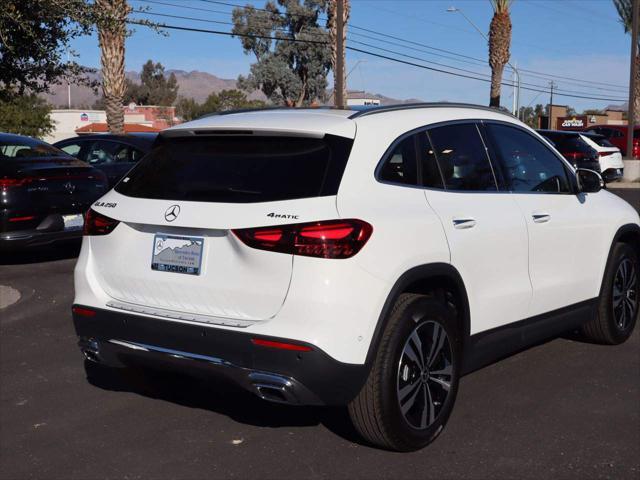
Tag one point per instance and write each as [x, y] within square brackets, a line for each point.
[27, 148]
[239, 169]
[601, 141]
[569, 143]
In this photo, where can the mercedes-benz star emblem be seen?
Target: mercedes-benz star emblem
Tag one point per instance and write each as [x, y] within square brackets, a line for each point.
[69, 187]
[172, 213]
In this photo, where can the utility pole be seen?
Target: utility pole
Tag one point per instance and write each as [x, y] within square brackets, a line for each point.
[551, 85]
[339, 86]
[632, 80]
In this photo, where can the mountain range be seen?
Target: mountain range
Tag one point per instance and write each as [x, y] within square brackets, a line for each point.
[194, 84]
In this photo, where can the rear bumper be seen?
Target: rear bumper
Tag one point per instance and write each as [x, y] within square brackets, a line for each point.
[33, 238]
[304, 378]
[49, 229]
[612, 174]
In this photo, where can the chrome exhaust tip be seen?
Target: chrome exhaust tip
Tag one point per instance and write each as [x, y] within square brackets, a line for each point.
[90, 348]
[273, 388]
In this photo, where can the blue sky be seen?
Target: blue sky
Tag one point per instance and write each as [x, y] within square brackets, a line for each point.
[582, 39]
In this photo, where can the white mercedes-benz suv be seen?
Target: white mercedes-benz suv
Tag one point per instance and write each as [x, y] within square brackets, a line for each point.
[368, 259]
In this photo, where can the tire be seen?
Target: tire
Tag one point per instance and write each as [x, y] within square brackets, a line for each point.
[387, 412]
[617, 312]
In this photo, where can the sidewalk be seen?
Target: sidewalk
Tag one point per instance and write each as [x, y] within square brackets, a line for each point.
[616, 185]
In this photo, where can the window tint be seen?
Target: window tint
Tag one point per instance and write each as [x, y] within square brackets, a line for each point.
[400, 166]
[105, 152]
[527, 164]
[239, 169]
[462, 158]
[600, 141]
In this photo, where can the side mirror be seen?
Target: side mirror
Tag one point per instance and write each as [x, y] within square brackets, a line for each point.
[589, 181]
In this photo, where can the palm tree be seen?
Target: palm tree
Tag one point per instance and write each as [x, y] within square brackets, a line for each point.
[112, 31]
[625, 11]
[331, 26]
[499, 43]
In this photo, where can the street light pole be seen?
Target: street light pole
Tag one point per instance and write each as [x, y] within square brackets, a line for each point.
[632, 80]
[516, 92]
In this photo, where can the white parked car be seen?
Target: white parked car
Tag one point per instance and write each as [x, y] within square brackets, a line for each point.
[611, 164]
[368, 259]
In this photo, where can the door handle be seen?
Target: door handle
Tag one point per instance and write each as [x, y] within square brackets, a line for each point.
[463, 223]
[540, 217]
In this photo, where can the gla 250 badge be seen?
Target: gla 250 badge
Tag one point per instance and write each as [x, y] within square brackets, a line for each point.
[105, 204]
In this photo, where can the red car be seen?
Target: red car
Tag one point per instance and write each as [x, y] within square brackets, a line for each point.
[617, 134]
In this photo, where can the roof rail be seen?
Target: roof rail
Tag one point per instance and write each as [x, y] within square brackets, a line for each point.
[242, 110]
[267, 109]
[411, 106]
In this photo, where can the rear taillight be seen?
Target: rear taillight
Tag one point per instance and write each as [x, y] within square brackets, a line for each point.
[25, 218]
[325, 239]
[7, 182]
[98, 224]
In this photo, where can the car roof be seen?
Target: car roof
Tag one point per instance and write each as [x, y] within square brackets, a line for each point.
[12, 137]
[304, 121]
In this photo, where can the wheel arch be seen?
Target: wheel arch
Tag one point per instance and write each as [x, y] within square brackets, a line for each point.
[424, 279]
[628, 233]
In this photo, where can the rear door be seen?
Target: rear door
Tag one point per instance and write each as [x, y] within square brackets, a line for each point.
[183, 200]
[485, 229]
[565, 230]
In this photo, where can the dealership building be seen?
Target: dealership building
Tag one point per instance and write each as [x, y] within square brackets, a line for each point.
[561, 121]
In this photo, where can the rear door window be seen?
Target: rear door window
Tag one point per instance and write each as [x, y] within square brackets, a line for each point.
[462, 158]
[239, 169]
[401, 165]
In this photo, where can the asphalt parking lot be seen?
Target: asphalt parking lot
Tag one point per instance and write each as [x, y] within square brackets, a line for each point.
[563, 409]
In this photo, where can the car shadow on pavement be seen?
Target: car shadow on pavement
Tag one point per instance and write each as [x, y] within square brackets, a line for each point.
[48, 253]
[220, 396]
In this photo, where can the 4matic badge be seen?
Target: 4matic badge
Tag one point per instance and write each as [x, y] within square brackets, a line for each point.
[282, 215]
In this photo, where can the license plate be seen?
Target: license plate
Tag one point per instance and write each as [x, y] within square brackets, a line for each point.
[177, 254]
[73, 222]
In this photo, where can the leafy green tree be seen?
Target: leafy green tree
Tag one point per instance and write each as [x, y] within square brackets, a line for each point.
[528, 116]
[154, 87]
[288, 72]
[571, 112]
[34, 38]
[188, 108]
[25, 115]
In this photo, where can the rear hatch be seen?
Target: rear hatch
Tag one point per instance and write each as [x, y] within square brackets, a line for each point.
[174, 249]
[35, 188]
[609, 154]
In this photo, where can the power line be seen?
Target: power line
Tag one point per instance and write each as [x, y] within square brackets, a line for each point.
[366, 52]
[459, 69]
[378, 48]
[545, 76]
